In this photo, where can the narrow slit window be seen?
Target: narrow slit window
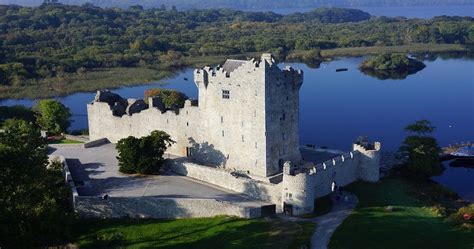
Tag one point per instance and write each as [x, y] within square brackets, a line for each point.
[223, 133]
[225, 94]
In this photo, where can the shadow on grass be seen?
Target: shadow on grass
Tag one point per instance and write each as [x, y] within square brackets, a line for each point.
[411, 224]
[219, 232]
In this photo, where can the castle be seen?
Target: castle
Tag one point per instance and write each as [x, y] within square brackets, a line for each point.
[244, 122]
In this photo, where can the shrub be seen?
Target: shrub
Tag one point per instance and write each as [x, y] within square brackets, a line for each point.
[143, 155]
[464, 215]
[169, 97]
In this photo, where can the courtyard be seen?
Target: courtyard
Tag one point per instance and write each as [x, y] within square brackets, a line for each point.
[95, 173]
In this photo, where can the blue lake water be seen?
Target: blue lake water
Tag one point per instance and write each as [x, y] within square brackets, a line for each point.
[338, 107]
[424, 12]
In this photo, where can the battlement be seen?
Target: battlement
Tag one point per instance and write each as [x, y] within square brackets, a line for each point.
[120, 107]
[242, 68]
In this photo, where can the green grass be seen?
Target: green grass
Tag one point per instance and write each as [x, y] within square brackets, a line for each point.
[413, 48]
[218, 232]
[66, 141]
[90, 81]
[412, 224]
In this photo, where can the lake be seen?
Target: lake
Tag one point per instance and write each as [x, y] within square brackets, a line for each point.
[424, 12]
[338, 107]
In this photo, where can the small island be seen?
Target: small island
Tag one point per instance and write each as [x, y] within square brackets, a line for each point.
[391, 66]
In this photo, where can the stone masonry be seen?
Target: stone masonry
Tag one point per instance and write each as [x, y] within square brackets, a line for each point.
[245, 121]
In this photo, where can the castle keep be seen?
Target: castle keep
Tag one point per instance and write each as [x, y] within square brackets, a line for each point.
[245, 121]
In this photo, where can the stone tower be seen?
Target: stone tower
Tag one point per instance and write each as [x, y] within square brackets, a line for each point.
[249, 110]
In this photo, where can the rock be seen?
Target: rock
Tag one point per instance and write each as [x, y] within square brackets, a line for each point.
[156, 102]
[118, 109]
[109, 97]
[136, 106]
[389, 208]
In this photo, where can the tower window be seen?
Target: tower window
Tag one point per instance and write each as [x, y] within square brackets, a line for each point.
[222, 133]
[243, 140]
[222, 119]
[225, 94]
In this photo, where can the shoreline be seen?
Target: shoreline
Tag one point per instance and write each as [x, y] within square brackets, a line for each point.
[113, 78]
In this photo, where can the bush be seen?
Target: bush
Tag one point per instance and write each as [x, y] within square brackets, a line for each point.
[143, 155]
[462, 215]
[168, 97]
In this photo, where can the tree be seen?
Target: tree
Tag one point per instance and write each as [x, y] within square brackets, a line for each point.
[32, 198]
[143, 155]
[52, 116]
[421, 151]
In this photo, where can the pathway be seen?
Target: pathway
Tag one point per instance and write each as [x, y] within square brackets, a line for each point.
[327, 224]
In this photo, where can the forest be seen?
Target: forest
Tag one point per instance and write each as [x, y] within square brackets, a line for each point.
[51, 41]
[250, 4]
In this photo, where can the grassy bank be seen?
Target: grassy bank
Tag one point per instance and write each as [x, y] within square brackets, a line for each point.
[109, 78]
[218, 232]
[87, 82]
[413, 223]
[414, 48]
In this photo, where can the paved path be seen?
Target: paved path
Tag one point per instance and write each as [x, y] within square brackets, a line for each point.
[327, 224]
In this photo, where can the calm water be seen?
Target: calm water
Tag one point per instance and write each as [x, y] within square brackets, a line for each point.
[409, 12]
[338, 107]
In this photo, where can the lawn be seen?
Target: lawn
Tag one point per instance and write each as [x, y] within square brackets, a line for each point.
[65, 141]
[218, 232]
[412, 223]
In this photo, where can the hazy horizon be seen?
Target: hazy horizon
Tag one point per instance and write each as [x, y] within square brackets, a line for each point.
[252, 4]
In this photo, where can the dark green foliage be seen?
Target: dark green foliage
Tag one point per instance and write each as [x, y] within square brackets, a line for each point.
[391, 66]
[420, 127]
[421, 151]
[52, 116]
[143, 155]
[329, 15]
[32, 198]
[250, 4]
[16, 112]
[53, 40]
[169, 97]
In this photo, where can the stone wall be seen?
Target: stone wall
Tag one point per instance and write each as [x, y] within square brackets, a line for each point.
[341, 171]
[255, 189]
[246, 118]
[297, 190]
[156, 207]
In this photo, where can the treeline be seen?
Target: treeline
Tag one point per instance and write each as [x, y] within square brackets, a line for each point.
[53, 40]
[251, 4]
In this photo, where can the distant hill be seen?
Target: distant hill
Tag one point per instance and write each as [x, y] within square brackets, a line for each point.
[249, 4]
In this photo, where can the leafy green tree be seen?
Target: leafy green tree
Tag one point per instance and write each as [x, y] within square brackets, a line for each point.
[16, 112]
[421, 151]
[32, 198]
[52, 116]
[143, 155]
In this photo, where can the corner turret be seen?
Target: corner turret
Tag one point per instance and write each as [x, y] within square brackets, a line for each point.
[369, 166]
[298, 190]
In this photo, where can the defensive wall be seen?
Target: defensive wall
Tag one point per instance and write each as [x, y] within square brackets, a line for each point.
[157, 207]
[300, 185]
